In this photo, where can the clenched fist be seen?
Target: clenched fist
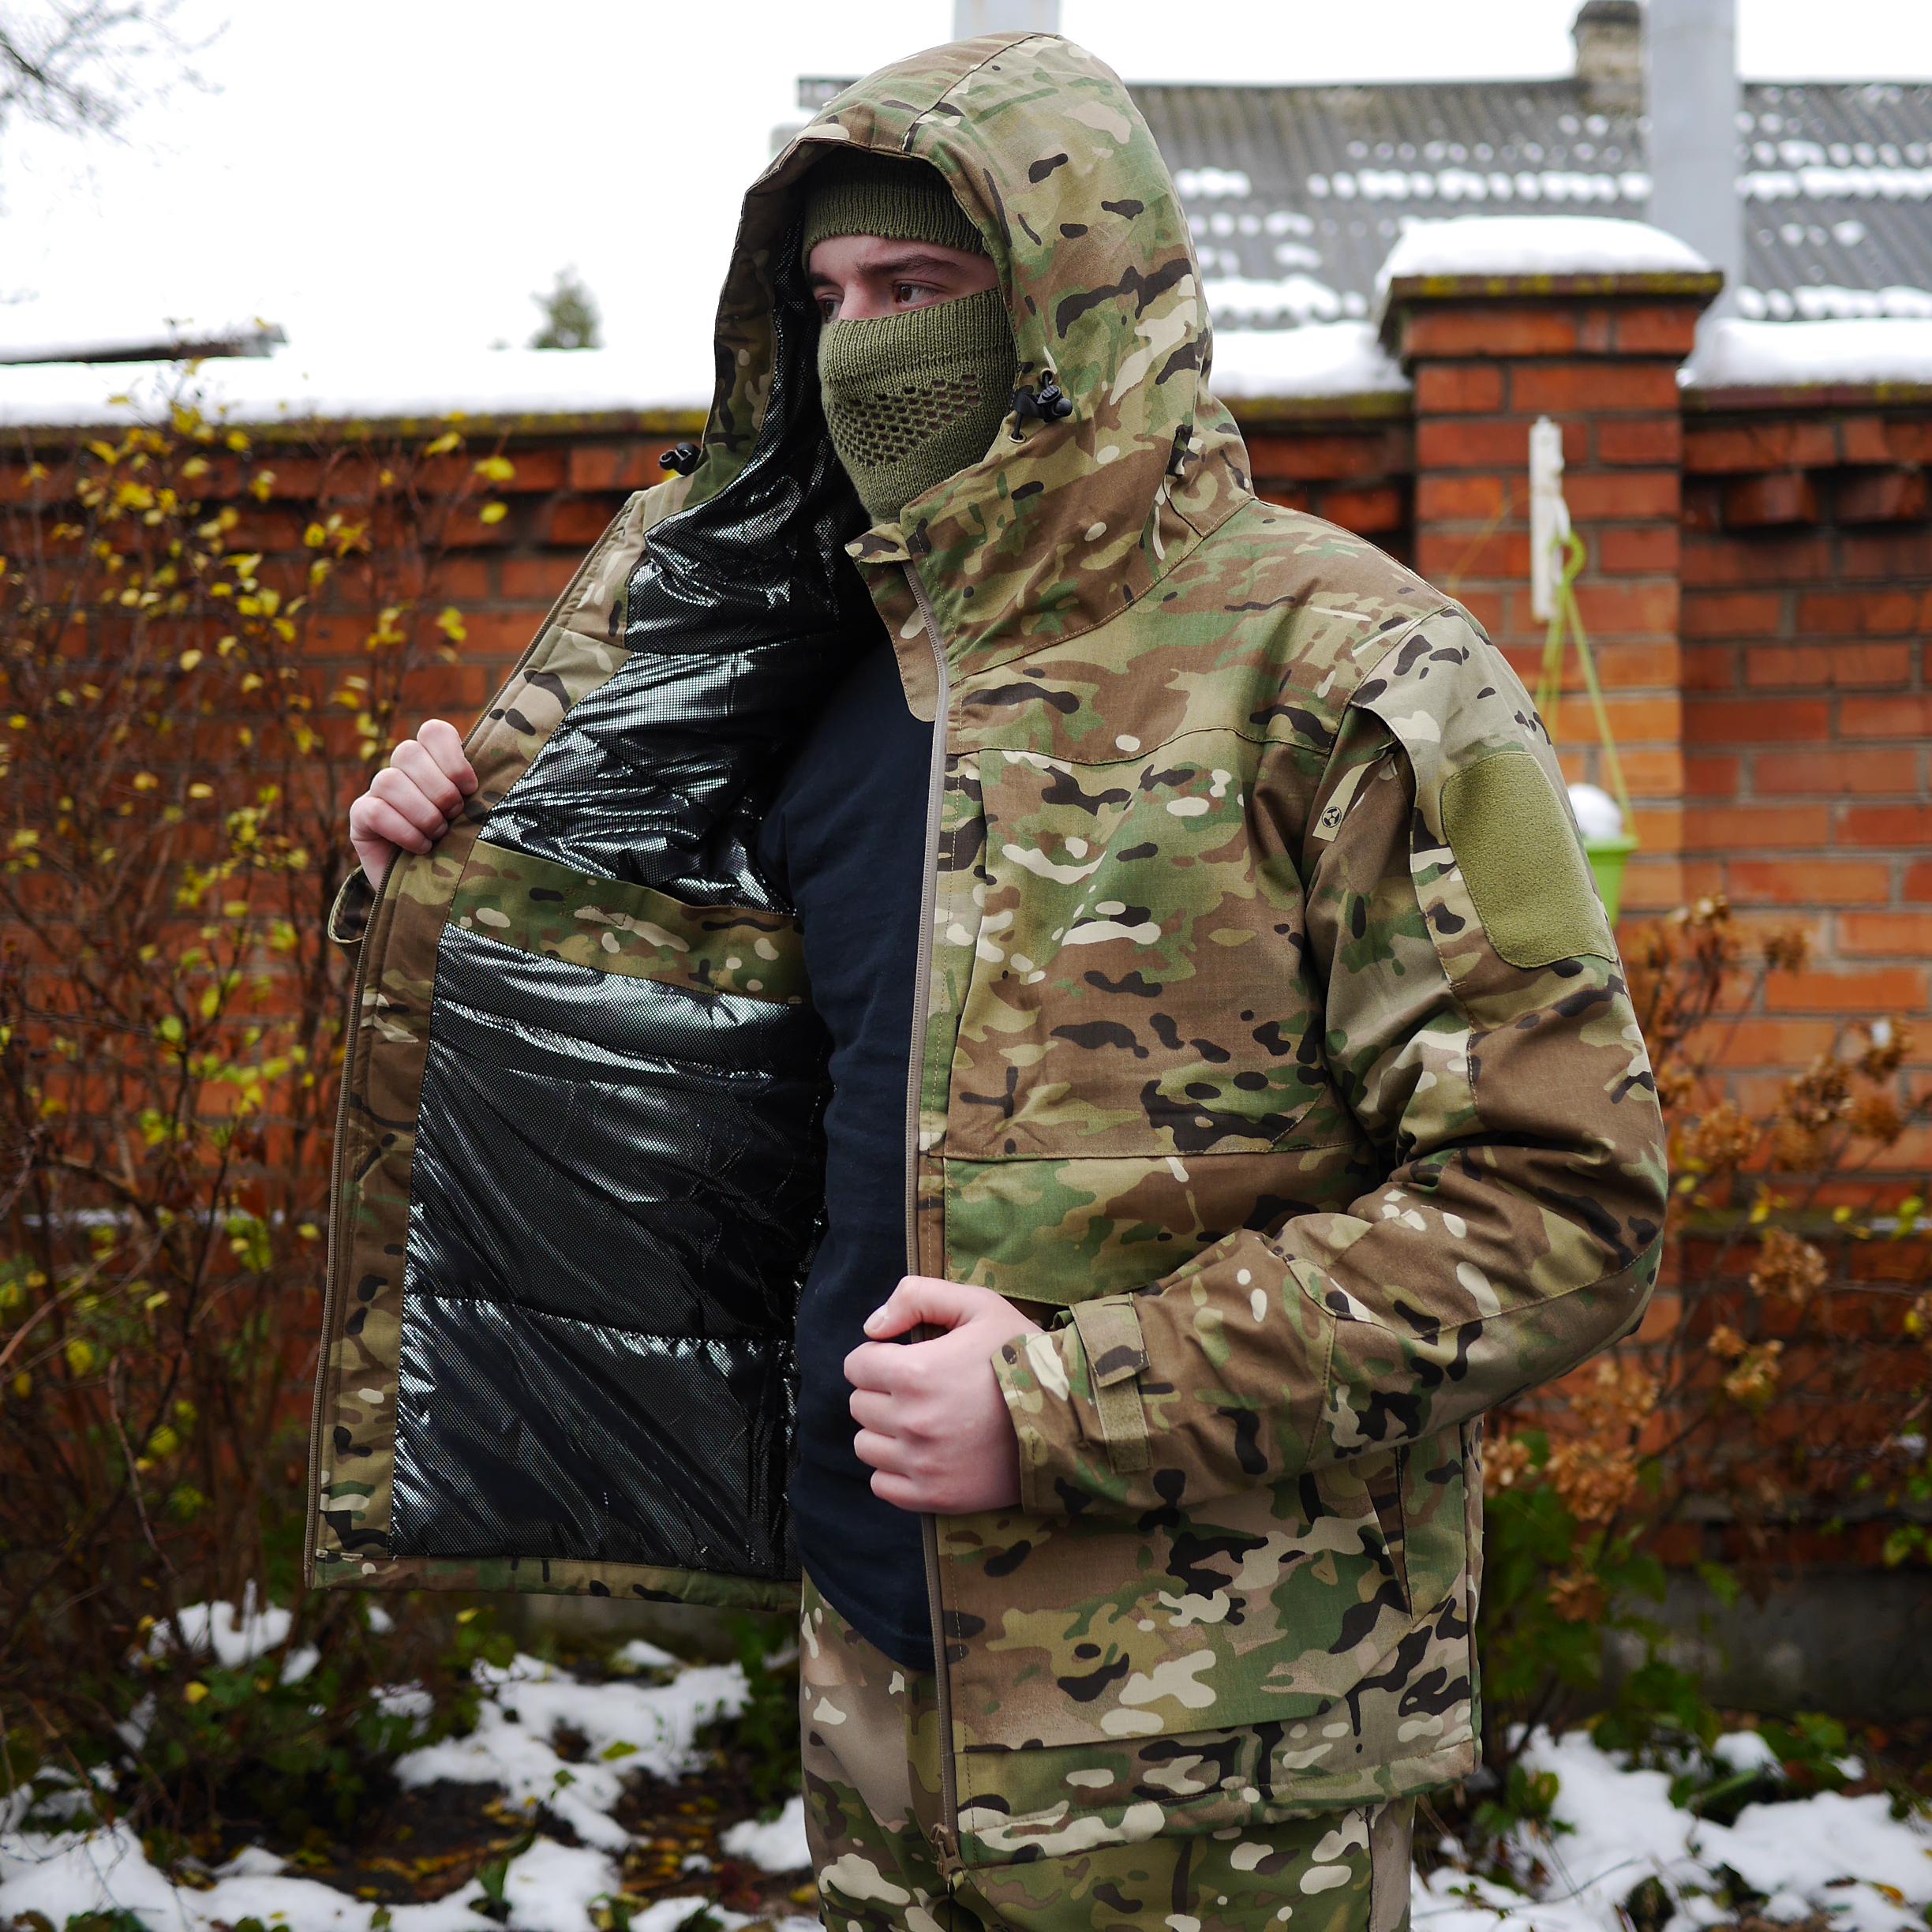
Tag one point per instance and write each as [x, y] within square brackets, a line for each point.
[411, 801]
[932, 1425]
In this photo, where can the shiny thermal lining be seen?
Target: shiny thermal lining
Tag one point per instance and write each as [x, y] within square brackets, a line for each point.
[618, 1183]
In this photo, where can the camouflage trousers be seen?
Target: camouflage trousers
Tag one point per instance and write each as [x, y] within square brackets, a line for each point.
[871, 1756]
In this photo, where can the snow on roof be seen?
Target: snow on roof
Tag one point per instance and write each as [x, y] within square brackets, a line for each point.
[1300, 298]
[1735, 353]
[1319, 359]
[361, 386]
[1834, 178]
[1526, 244]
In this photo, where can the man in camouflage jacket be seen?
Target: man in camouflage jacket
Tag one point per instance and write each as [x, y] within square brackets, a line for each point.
[1271, 1054]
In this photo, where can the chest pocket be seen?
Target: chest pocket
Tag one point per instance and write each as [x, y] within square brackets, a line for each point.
[1135, 986]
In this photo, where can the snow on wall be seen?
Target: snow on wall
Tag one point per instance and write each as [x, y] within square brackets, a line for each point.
[358, 387]
[1315, 360]
[1525, 244]
[1733, 352]
[1319, 359]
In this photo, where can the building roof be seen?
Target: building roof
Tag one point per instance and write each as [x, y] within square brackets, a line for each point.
[1296, 193]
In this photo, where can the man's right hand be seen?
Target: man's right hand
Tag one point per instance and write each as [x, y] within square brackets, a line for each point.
[411, 801]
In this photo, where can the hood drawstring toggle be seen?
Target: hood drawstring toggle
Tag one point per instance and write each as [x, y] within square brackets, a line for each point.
[1048, 403]
[684, 457]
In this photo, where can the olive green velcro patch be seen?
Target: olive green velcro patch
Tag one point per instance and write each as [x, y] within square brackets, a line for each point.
[1522, 862]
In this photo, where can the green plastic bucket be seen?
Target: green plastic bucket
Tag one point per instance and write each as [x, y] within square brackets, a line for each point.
[1607, 858]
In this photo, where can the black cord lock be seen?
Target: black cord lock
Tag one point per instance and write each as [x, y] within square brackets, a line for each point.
[1047, 403]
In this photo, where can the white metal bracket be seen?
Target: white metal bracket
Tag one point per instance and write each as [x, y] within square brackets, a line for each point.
[1549, 516]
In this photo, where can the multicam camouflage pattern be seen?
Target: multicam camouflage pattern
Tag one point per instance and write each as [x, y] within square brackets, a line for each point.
[1220, 1068]
[538, 907]
[871, 1733]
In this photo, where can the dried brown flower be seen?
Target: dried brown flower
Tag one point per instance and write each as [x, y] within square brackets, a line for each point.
[1820, 1095]
[1789, 1267]
[1887, 1043]
[1675, 1086]
[1796, 1148]
[1876, 1115]
[1787, 950]
[1754, 1380]
[1578, 1597]
[1506, 1462]
[1721, 1139]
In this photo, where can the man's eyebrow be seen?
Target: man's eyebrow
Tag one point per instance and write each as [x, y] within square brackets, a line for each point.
[911, 259]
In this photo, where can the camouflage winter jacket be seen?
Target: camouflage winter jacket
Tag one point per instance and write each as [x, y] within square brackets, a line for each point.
[1270, 1041]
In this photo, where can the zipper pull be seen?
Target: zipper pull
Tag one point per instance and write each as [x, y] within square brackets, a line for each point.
[945, 1854]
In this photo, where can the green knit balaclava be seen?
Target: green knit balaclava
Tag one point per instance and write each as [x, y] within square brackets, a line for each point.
[909, 399]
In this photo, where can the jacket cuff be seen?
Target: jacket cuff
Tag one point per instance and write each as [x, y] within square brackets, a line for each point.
[349, 917]
[1074, 1394]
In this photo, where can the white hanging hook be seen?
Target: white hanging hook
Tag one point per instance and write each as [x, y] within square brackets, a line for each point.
[1549, 516]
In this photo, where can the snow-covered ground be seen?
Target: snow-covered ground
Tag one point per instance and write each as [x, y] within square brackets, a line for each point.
[615, 1729]
[554, 1747]
[1845, 1858]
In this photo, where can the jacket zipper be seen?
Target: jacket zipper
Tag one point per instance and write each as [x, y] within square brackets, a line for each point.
[311, 1534]
[946, 1834]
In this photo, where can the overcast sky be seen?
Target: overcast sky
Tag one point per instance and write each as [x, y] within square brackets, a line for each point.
[408, 172]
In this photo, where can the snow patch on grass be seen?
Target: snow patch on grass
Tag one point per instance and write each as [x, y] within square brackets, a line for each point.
[1826, 1854]
[626, 1728]
[1844, 1857]
[553, 1887]
[107, 1871]
[777, 1846]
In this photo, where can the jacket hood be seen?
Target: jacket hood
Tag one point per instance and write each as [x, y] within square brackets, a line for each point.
[1065, 522]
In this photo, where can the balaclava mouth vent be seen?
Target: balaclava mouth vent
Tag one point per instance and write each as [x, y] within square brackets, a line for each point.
[911, 398]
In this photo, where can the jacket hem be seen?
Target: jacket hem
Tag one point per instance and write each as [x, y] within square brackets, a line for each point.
[556, 1576]
[1002, 1837]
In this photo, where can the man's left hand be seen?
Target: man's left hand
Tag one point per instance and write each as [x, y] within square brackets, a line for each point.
[933, 1424]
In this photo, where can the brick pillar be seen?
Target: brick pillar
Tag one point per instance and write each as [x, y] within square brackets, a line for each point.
[1600, 353]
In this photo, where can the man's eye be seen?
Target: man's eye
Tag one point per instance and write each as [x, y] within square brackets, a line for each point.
[828, 308]
[913, 291]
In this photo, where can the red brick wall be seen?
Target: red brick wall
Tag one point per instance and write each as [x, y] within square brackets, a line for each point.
[1758, 591]
[1356, 468]
[1807, 596]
